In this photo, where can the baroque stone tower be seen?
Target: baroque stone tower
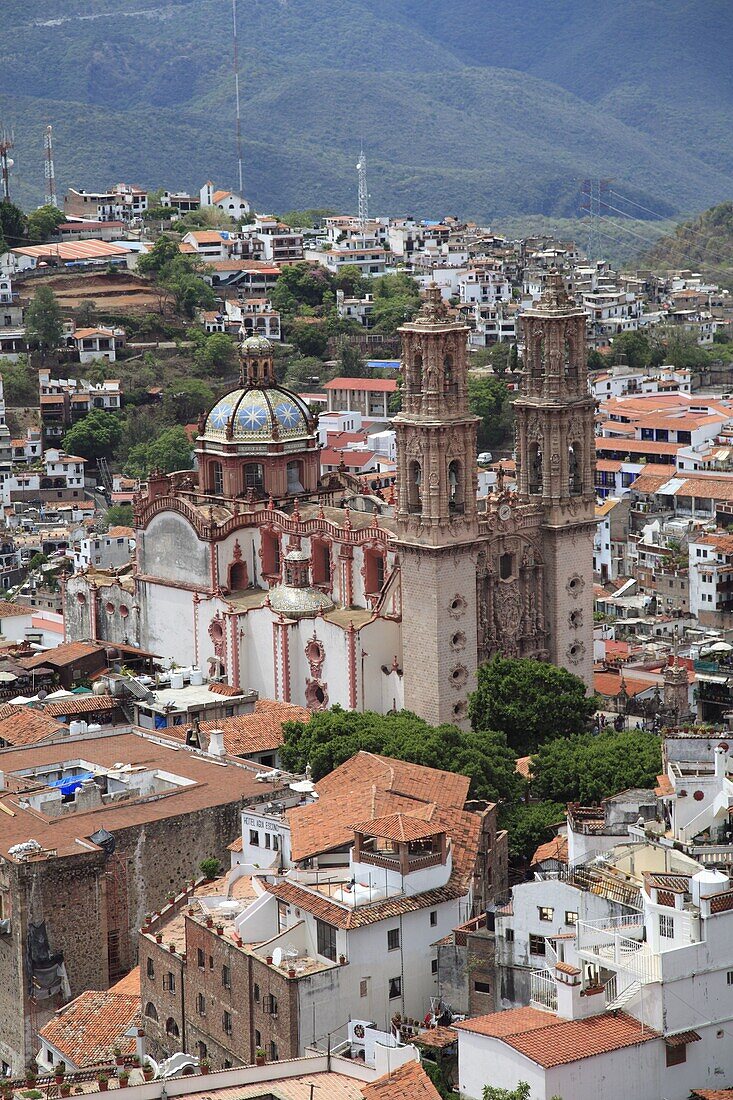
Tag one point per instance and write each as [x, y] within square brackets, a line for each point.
[436, 514]
[555, 467]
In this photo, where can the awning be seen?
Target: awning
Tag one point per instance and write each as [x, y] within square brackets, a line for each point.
[682, 1038]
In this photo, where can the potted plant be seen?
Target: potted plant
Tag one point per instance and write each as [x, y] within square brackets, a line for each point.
[103, 1082]
[148, 1070]
[204, 1066]
[148, 918]
[123, 1078]
[119, 1060]
[171, 897]
[209, 922]
[259, 1056]
[172, 948]
[65, 1088]
[30, 1078]
[291, 971]
[220, 929]
[342, 960]
[59, 1072]
[158, 937]
[268, 960]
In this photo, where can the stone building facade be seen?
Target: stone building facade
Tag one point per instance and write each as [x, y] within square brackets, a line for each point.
[314, 590]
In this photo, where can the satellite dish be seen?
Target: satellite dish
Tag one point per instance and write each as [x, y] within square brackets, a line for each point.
[277, 956]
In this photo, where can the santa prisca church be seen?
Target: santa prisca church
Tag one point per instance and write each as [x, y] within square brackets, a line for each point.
[267, 575]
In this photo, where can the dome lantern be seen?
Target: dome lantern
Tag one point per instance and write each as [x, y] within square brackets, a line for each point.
[255, 359]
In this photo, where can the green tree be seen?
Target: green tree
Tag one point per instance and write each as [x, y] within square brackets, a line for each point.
[530, 702]
[309, 339]
[396, 300]
[85, 313]
[529, 825]
[171, 450]
[333, 736]
[44, 321]
[119, 515]
[305, 284]
[588, 767]
[185, 285]
[350, 362]
[20, 382]
[350, 279]
[42, 223]
[217, 355]
[635, 346]
[596, 361]
[183, 401]
[160, 256]
[13, 226]
[488, 399]
[521, 1092]
[95, 436]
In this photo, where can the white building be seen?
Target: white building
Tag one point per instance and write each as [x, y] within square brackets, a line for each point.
[105, 551]
[97, 343]
[229, 202]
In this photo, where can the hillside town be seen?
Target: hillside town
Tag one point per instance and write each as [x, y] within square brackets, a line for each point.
[366, 660]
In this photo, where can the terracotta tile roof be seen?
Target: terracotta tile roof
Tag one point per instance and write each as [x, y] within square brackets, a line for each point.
[682, 1038]
[85, 1030]
[261, 731]
[664, 786]
[27, 727]
[7, 609]
[373, 385]
[62, 655]
[130, 984]
[236, 845]
[80, 704]
[225, 689]
[364, 788]
[566, 968]
[711, 1094]
[437, 1037]
[409, 1082]
[610, 684]
[556, 849]
[551, 1041]
[397, 827]
[523, 767]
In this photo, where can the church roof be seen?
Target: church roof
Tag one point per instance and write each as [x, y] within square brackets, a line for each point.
[254, 415]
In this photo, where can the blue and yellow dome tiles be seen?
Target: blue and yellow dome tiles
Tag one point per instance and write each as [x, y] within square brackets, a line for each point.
[252, 415]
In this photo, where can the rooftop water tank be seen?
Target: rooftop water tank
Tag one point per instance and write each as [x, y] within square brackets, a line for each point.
[707, 882]
[197, 677]
[176, 681]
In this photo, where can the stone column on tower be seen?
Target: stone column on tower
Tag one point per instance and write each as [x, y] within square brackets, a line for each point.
[436, 515]
[555, 467]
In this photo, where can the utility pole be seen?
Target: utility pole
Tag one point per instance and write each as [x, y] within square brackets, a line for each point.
[6, 144]
[236, 97]
[363, 192]
[50, 198]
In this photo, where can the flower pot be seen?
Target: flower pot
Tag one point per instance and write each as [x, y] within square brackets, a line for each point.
[204, 1069]
[269, 960]
[122, 1082]
[158, 937]
[209, 922]
[172, 948]
[103, 1086]
[119, 1060]
[148, 1074]
[65, 1090]
[260, 1060]
[342, 960]
[291, 972]
[58, 1078]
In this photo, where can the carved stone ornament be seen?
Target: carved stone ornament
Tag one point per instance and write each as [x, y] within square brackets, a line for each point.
[457, 606]
[575, 652]
[315, 655]
[509, 609]
[458, 676]
[575, 585]
[575, 618]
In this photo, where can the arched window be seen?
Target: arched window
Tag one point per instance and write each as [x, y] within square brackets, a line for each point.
[538, 357]
[217, 477]
[414, 374]
[171, 1028]
[270, 553]
[295, 477]
[506, 566]
[414, 487]
[571, 372]
[374, 571]
[451, 386]
[575, 470]
[456, 500]
[320, 562]
[238, 578]
[535, 468]
[151, 1011]
[254, 477]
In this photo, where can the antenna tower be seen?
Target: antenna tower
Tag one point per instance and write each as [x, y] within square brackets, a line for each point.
[236, 97]
[6, 144]
[363, 192]
[50, 198]
[594, 203]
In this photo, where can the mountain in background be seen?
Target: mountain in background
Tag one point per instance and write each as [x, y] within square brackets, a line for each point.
[705, 242]
[482, 109]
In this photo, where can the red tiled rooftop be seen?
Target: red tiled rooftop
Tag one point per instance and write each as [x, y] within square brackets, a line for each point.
[551, 1040]
[86, 1030]
[409, 1082]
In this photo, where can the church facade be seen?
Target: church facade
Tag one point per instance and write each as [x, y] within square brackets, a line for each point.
[317, 591]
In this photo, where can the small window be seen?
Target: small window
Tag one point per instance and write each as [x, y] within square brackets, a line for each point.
[274, 1053]
[536, 945]
[509, 935]
[201, 1004]
[254, 838]
[151, 1011]
[200, 958]
[393, 939]
[171, 1028]
[363, 987]
[729, 977]
[666, 927]
[211, 962]
[545, 912]
[395, 988]
[226, 977]
[151, 968]
[258, 1038]
[481, 987]
[326, 940]
[506, 566]
[433, 966]
[571, 917]
[169, 982]
[226, 1023]
[203, 1050]
[256, 993]
[676, 1055]
[433, 917]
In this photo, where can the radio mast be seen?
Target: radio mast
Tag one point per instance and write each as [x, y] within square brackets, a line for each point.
[6, 144]
[50, 197]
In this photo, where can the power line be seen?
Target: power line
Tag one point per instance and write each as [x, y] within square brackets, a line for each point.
[631, 202]
[236, 97]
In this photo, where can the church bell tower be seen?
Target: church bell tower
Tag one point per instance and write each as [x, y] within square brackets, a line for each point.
[436, 515]
[555, 467]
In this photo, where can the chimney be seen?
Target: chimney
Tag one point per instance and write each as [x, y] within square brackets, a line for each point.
[216, 743]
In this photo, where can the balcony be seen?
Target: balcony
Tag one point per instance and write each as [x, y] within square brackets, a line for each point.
[617, 943]
[392, 860]
[543, 991]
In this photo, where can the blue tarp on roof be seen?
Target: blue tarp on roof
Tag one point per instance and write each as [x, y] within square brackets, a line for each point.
[71, 783]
